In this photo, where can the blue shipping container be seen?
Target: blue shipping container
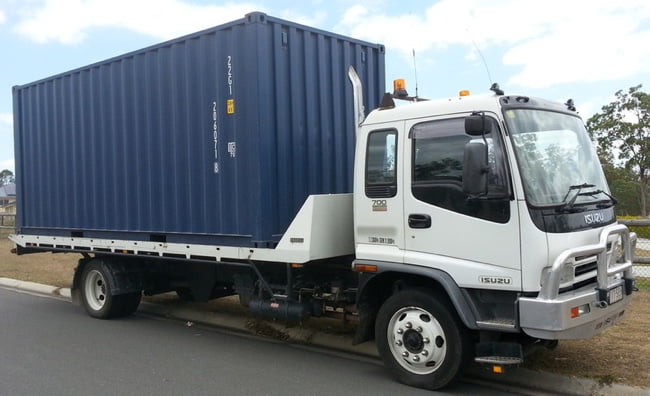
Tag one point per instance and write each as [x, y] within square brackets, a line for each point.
[217, 137]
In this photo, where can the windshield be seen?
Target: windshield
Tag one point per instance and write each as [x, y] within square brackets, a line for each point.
[557, 161]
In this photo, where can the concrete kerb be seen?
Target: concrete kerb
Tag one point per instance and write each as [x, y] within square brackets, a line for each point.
[30, 286]
[518, 379]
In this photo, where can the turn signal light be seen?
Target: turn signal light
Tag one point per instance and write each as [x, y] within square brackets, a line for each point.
[464, 92]
[580, 310]
[365, 268]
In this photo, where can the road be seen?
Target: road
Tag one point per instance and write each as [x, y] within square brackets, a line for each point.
[48, 346]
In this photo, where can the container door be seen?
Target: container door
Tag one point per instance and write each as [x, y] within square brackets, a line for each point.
[444, 227]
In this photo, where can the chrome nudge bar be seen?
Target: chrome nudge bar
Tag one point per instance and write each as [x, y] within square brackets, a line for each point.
[611, 265]
[608, 265]
[588, 310]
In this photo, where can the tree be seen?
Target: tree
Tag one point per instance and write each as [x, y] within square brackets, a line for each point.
[622, 130]
[624, 186]
[6, 177]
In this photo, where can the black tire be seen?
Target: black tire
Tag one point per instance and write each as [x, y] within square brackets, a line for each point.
[130, 303]
[421, 340]
[96, 295]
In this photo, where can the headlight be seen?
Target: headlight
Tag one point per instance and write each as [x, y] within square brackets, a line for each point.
[567, 275]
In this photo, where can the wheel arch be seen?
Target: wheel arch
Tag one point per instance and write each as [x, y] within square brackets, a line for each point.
[125, 277]
[376, 288]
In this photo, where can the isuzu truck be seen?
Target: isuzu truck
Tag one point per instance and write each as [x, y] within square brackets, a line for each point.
[263, 159]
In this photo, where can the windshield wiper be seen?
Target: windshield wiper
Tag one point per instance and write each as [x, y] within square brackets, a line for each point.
[568, 205]
[602, 204]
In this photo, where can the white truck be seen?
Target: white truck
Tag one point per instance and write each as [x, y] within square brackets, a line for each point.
[478, 226]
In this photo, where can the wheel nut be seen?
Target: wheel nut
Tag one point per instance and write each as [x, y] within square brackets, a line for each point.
[405, 354]
[408, 325]
[416, 358]
[399, 343]
[419, 329]
[400, 331]
[426, 340]
[425, 353]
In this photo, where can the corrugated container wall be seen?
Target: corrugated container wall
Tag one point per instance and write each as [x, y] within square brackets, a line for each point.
[217, 137]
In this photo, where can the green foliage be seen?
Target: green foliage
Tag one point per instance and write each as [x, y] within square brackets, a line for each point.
[622, 130]
[641, 232]
[6, 177]
[643, 284]
[624, 186]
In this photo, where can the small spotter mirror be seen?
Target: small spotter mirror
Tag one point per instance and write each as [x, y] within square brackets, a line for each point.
[477, 125]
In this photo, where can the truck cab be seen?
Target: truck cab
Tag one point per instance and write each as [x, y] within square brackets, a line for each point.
[498, 207]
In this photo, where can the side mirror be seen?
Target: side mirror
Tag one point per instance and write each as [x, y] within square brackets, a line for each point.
[475, 168]
[477, 125]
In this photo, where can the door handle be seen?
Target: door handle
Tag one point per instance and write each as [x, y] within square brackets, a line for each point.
[417, 220]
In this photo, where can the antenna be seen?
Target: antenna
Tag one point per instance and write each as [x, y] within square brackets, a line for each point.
[487, 69]
[415, 70]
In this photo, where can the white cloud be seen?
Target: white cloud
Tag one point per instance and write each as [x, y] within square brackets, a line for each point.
[3, 17]
[8, 164]
[553, 42]
[317, 19]
[7, 119]
[606, 45]
[68, 21]
[587, 109]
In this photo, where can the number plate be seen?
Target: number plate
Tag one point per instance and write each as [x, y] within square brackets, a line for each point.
[615, 294]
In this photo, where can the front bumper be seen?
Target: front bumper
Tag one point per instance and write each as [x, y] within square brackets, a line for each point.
[551, 316]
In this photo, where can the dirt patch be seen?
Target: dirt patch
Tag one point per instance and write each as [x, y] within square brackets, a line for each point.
[264, 329]
[620, 354]
[47, 268]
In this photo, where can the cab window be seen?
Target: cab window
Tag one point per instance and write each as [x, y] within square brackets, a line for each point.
[381, 166]
[437, 169]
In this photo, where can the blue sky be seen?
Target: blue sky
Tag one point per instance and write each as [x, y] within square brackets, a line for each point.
[580, 49]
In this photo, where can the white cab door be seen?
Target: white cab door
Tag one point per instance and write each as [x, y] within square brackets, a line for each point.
[468, 237]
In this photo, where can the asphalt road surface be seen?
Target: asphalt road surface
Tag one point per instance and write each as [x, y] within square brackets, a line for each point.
[50, 347]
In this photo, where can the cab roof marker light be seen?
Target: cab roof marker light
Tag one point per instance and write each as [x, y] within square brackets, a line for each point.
[399, 88]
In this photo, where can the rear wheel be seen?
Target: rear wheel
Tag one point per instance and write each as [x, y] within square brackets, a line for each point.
[97, 296]
[421, 340]
[130, 303]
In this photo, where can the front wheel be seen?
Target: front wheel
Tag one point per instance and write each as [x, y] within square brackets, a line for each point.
[421, 340]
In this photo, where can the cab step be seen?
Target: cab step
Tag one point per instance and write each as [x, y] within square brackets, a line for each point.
[497, 324]
[499, 355]
[501, 360]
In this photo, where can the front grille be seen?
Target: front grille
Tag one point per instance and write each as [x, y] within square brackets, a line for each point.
[585, 268]
[584, 273]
